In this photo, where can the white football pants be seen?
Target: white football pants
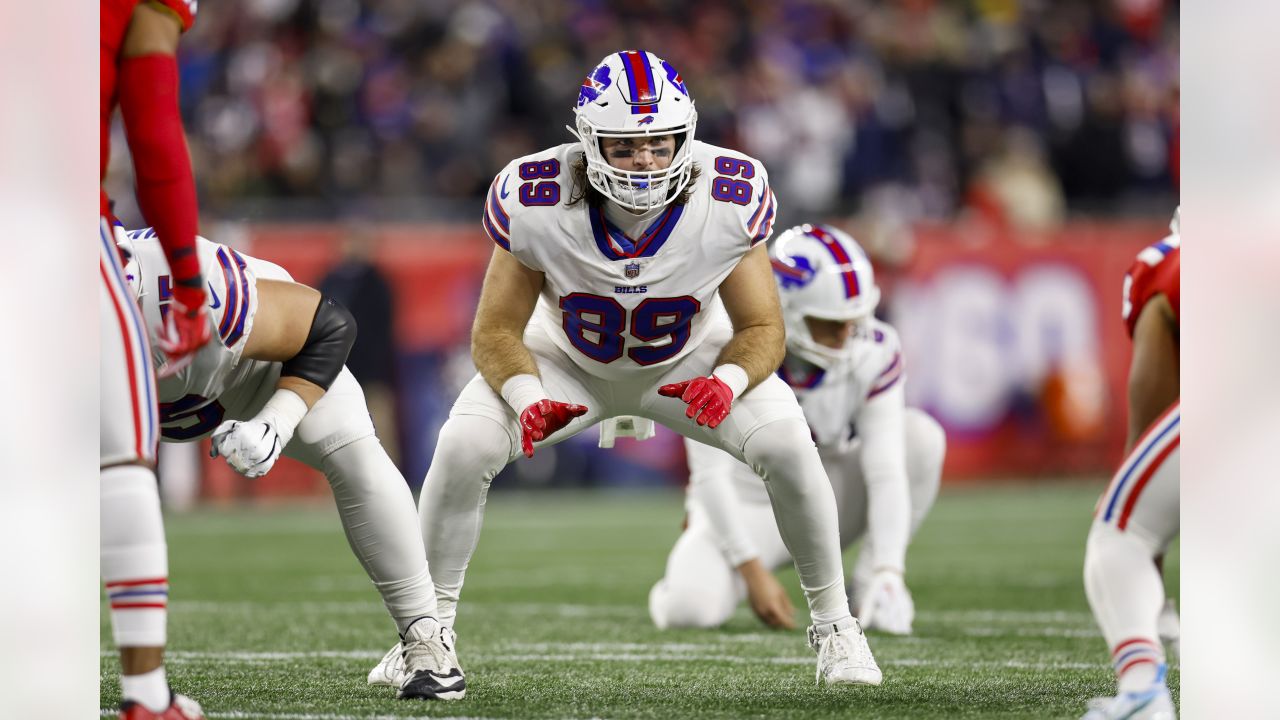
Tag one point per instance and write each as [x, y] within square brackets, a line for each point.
[482, 435]
[376, 506]
[1135, 520]
[701, 587]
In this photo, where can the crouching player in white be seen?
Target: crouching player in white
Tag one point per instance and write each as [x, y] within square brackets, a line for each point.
[612, 253]
[1137, 516]
[884, 460]
[272, 381]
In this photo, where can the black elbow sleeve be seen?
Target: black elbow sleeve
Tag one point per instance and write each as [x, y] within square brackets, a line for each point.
[333, 332]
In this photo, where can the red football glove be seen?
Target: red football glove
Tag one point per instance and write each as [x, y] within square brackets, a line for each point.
[185, 329]
[543, 418]
[710, 395]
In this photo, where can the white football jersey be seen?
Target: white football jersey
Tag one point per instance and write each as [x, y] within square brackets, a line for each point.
[833, 398]
[612, 302]
[218, 384]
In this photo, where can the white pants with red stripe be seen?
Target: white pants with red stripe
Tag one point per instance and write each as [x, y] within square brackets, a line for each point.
[127, 412]
[1135, 520]
[133, 555]
[1143, 497]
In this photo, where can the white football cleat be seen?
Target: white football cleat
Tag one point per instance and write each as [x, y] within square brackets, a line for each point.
[1154, 703]
[431, 670]
[390, 671]
[887, 605]
[1169, 627]
[843, 655]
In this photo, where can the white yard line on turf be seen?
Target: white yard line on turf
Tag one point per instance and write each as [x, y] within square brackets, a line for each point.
[598, 655]
[246, 715]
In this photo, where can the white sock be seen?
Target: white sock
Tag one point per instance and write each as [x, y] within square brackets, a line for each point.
[1126, 594]
[403, 623]
[1137, 678]
[151, 689]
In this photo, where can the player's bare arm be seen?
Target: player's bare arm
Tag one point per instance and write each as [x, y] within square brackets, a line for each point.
[753, 353]
[153, 29]
[280, 330]
[311, 336]
[1153, 371]
[507, 299]
[750, 296]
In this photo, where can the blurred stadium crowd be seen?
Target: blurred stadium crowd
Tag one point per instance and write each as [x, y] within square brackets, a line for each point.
[1021, 109]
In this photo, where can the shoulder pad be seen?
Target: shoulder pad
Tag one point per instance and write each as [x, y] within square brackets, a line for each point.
[541, 180]
[739, 184]
[231, 289]
[1154, 272]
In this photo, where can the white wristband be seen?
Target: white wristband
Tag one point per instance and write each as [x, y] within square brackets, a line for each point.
[521, 391]
[733, 376]
[283, 411]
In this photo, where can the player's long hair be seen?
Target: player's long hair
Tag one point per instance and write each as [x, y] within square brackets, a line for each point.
[582, 189]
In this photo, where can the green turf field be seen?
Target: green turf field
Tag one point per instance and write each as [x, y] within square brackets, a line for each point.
[271, 617]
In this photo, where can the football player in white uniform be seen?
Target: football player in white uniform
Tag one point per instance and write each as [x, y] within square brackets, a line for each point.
[884, 459]
[272, 381]
[1137, 517]
[602, 299]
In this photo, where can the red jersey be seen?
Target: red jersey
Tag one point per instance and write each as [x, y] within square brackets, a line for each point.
[1154, 272]
[115, 21]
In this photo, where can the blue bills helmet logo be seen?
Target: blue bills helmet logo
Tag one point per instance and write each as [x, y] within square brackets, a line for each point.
[796, 272]
[674, 78]
[645, 120]
[594, 85]
[631, 270]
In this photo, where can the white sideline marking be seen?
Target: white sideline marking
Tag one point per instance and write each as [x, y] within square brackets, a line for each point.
[601, 652]
[245, 715]
[1020, 616]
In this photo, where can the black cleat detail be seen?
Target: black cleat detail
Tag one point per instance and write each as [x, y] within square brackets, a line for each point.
[426, 685]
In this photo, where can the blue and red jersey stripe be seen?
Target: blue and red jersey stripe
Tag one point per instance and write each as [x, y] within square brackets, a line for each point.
[614, 244]
[495, 220]
[761, 223]
[888, 377]
[236, 305]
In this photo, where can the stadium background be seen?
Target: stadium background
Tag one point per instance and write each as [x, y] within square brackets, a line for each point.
[1002, 161]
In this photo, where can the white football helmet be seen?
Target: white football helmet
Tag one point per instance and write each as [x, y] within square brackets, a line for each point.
[822, 273]
[635, 94]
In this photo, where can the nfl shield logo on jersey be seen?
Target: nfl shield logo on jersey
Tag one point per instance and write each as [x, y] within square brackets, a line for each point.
[631, 269]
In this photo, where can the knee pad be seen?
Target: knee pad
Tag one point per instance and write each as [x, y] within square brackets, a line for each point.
[926, 440]
[130, 508]
[672, 608]
[474, 443]
[1106, 542]
[776, 445]
[926, 450]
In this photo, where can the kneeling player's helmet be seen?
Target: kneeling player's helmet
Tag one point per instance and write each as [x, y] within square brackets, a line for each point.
[822, 273]
[635, 94]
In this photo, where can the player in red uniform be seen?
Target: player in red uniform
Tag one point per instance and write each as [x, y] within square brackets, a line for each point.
[139, 72]
[1137, 516]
